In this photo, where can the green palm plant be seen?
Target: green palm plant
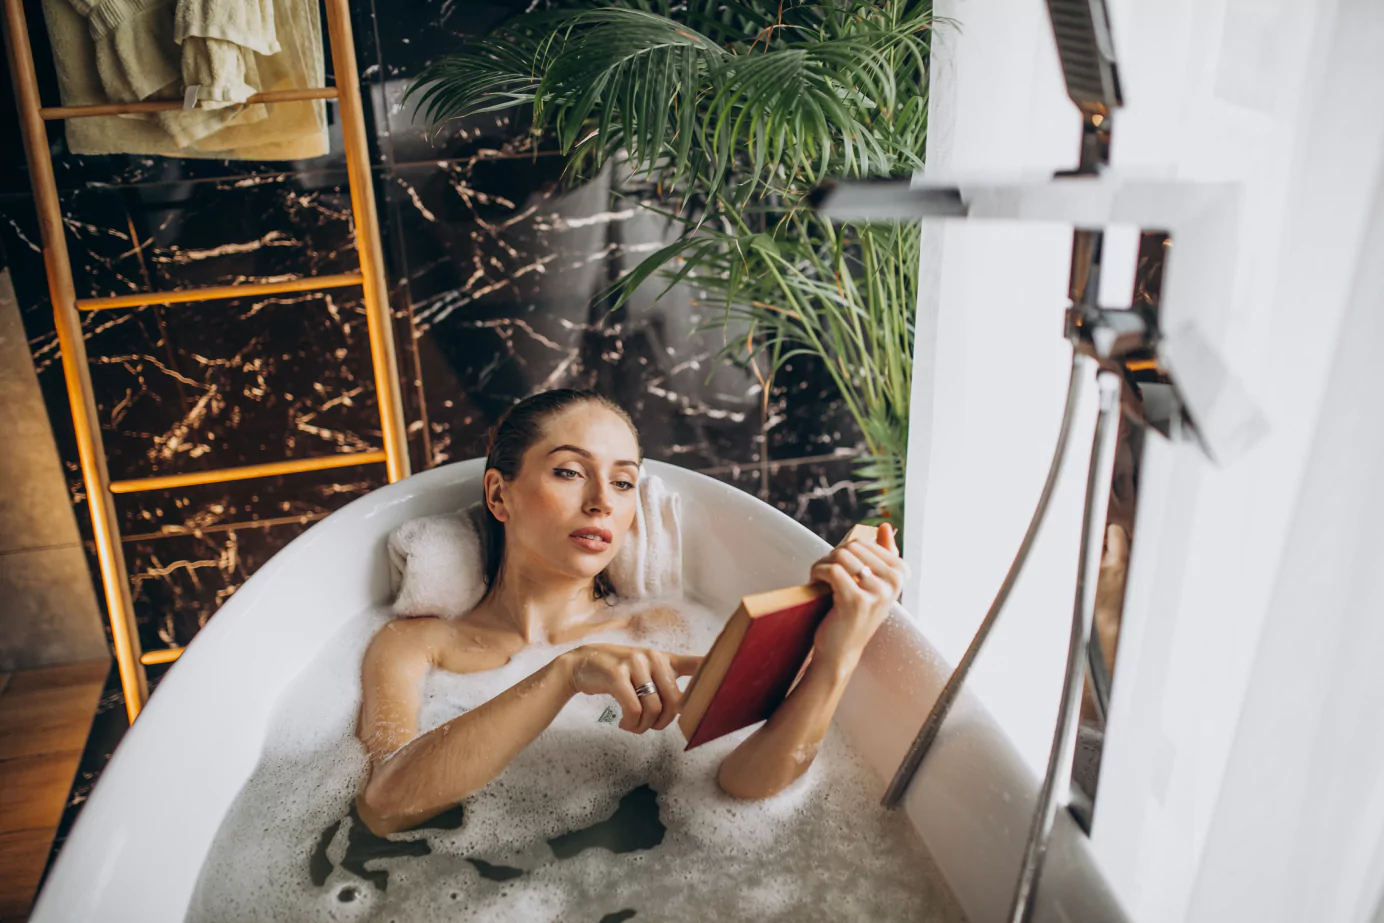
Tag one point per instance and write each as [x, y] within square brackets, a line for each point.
[732, 113]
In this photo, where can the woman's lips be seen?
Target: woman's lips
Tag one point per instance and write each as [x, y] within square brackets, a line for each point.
[593, 540]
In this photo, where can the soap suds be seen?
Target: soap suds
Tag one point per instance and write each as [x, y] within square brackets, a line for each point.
[537, 843]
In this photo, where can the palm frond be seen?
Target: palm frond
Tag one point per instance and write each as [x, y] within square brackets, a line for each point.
[500, 71]
[735, 110]
[630, 68]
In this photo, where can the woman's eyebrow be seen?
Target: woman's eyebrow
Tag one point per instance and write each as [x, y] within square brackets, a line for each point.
[585, 454]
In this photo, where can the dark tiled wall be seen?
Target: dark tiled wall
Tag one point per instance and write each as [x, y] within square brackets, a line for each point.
[493, 264]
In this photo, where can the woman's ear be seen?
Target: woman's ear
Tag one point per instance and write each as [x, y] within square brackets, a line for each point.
[494, 484]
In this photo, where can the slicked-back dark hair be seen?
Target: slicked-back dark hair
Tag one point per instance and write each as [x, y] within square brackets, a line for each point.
[513, 435]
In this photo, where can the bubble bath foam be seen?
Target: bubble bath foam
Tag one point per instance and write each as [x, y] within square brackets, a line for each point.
[589, 823]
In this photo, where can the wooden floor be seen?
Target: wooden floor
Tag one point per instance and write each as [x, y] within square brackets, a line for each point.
[44, 718]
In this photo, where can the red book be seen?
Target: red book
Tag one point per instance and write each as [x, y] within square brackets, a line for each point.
[756, 659]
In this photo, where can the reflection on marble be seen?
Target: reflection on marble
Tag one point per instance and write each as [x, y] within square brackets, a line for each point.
[807, 415]
[179, 580]
[161, 236]
[821, 492]
[495, 264]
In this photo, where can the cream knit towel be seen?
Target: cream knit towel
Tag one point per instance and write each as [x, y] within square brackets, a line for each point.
[138, 59]
[128, 50]
[220, 42]
[132, 40]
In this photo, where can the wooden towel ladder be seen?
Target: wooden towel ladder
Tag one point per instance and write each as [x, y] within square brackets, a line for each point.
[68, 308]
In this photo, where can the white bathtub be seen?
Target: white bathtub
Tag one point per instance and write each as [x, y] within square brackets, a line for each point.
[140, 841]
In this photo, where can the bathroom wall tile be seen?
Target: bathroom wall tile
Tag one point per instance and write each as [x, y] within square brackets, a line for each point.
[825, 496]
[188, 550]
[221, 384]
[289, 499]
[822, 495]
[172, 235]
[807, 416]
[180, 581]
[34, 507]
[214, 384]
[502, 262]
[51, 615]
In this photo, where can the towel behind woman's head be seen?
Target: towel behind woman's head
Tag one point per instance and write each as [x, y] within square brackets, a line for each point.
[437, 565]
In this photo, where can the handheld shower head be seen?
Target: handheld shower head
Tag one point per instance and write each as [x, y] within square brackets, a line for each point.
[1087, 52]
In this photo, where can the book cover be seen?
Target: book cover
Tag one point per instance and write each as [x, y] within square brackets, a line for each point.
[754, 662]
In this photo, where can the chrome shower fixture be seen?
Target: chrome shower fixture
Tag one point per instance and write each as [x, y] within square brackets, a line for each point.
[1086, 49]
[1081, 29]
[1193, 394]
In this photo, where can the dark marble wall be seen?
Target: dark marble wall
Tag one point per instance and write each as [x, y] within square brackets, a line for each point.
[493, 265]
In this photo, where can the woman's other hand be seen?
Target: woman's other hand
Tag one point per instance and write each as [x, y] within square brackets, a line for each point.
[865, 581]
[619, 671]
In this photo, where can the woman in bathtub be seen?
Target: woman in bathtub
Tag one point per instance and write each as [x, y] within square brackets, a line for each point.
[560, 491]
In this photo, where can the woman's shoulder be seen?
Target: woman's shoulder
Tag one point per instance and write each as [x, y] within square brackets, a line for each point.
[407, 632]
[407, 639]
[456, 645]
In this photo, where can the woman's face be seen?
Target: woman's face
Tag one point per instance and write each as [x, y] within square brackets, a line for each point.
[574, 497]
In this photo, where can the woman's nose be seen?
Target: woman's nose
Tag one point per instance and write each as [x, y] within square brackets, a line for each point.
[599, 498]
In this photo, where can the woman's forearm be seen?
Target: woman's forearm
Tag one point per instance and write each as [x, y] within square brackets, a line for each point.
[865, 578]
[440, 768]
[783, 748]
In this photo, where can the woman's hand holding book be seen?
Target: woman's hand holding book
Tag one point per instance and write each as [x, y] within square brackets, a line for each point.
[865, 581]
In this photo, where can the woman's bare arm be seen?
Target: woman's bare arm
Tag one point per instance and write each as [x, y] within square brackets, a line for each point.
[437, 770]
[865, 581]
[414, 778]
[771, 758]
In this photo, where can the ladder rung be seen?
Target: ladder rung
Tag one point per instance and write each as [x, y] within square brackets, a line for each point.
[52, 113]
[166, 655]
[221, 475]
[213, 292]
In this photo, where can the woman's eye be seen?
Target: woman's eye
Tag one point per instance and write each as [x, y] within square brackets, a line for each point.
[566, 473]
[623, 485]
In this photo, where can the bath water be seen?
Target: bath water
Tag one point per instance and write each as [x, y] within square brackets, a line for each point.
[589, 823]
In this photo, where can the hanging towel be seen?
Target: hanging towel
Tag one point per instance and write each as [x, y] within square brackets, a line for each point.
[130, 50]
[138, 59]
[220, 42]
[132, 40]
